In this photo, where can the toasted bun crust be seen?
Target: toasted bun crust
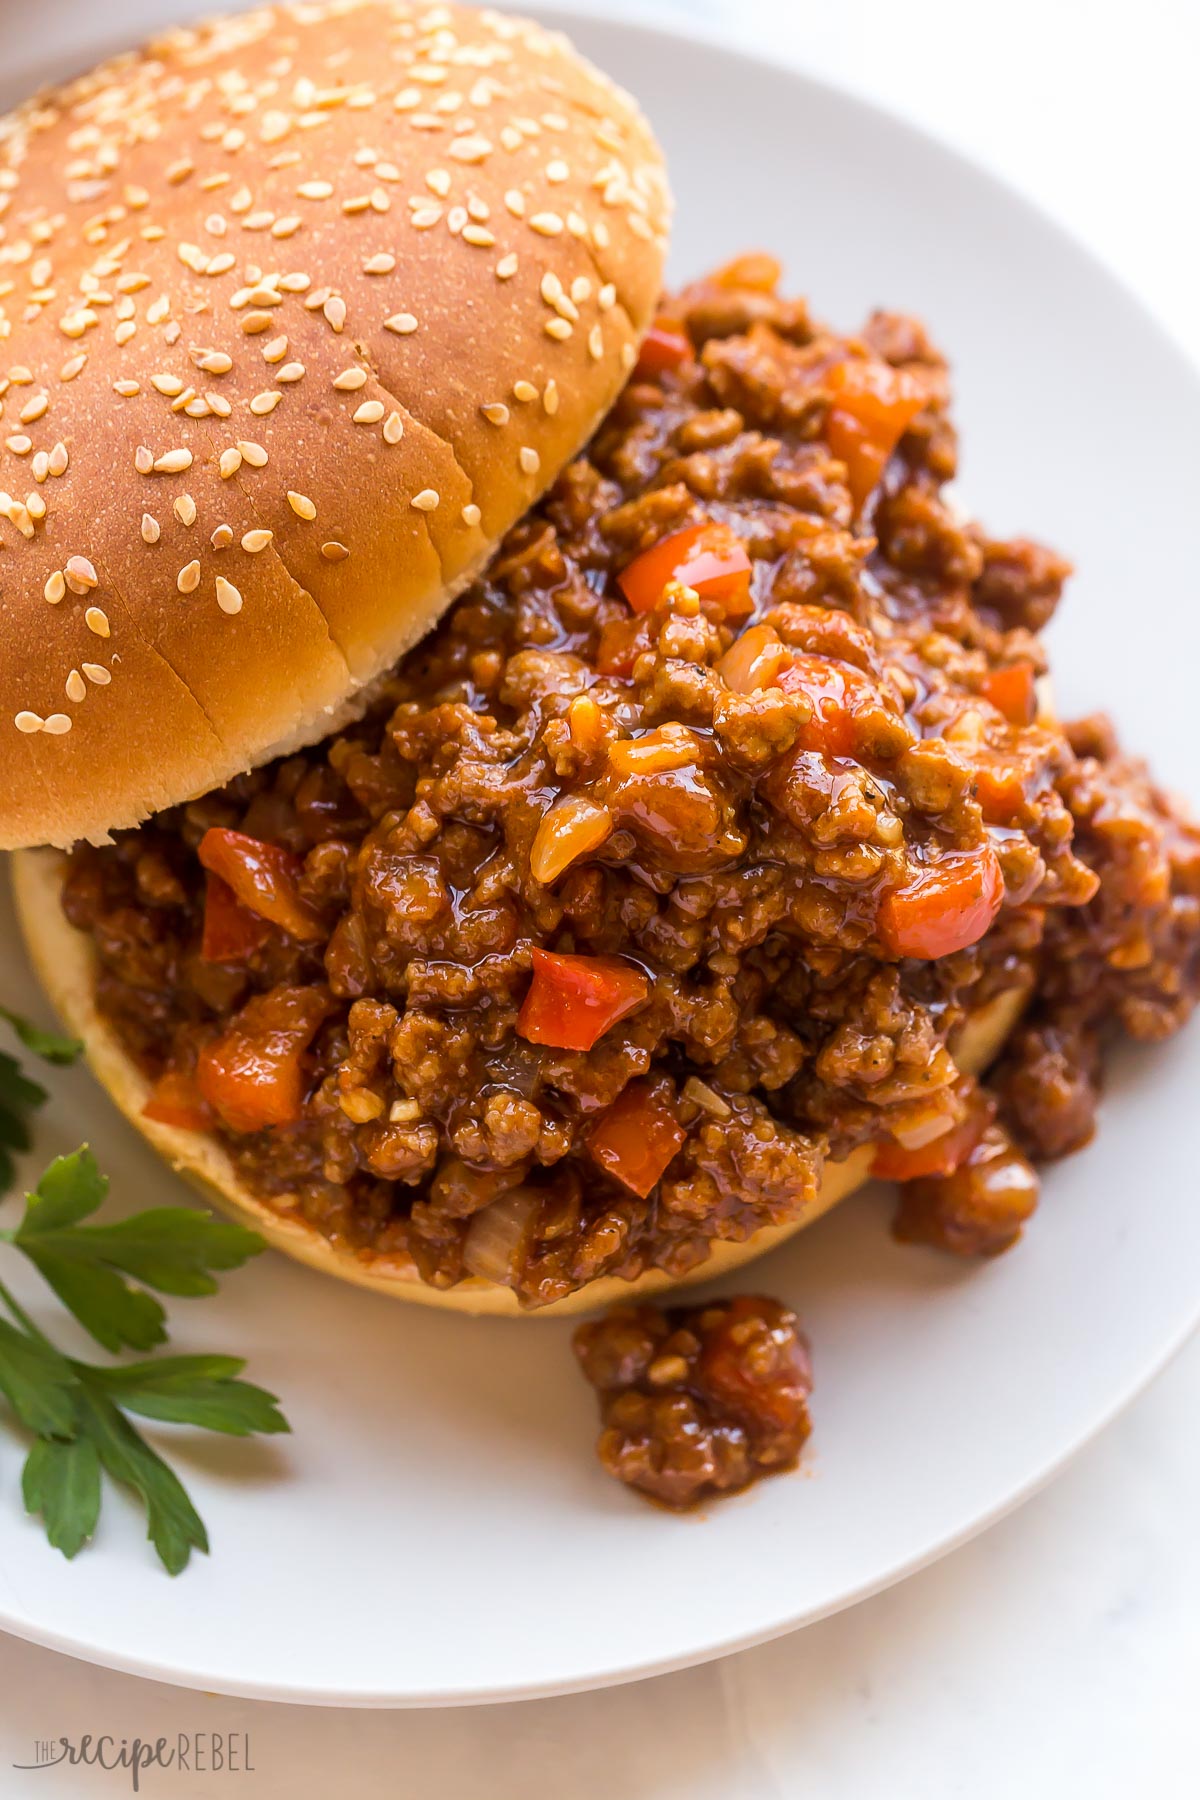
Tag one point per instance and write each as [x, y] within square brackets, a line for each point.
[65, 963]
[359, 276]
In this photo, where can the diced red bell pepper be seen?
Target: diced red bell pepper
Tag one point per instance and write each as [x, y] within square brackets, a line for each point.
[665, 346]
[710, 558]
[945, 907]
[231, 931]
[1011, 691]
[253, 1074]
[175, 1100]
[264, 878]
[837, 691]
[873, 405]
[636, 1138]
[573, 1000]
[622, 641]
[942, 1155]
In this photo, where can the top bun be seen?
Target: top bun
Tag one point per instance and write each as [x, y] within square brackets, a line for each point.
[299, 311]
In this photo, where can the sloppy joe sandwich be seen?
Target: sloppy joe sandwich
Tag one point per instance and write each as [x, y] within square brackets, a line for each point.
[699, 860]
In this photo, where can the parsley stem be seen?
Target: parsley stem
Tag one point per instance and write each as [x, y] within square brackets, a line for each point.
[22, 1317]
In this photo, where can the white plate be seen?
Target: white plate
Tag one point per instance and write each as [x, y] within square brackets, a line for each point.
[437, 1530]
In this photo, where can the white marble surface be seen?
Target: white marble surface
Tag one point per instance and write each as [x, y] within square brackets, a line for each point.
[1058, 1654]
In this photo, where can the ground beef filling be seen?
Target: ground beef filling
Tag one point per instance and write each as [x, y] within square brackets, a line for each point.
[669, 865]
[698, 1400]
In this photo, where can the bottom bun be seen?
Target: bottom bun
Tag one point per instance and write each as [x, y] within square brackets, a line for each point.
[65, 963]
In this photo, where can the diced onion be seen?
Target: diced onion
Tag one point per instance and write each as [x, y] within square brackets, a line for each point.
[499, 1235]
[920, 1126]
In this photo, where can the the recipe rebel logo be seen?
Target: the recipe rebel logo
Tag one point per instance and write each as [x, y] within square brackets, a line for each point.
[189, 1753]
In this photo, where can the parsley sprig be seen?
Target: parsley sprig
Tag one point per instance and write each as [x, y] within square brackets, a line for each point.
[79, 1411]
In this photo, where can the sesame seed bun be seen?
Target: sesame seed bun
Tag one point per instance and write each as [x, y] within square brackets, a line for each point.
[299, 312]
[65, 962]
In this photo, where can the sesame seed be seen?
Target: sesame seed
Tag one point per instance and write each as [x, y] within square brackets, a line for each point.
[58, 724]
[27, 722]
[439, 181]
[229, 598]
[76, 686]
[469, 149]
[231, 462]
[550, 397]
[276, 350]
[20, 446]
[524, 390]
[383, 264]
[257, 322]
[174, 462]
[315, 190]
[557, 171]
[252, 453]
[59, 459]
[607, 297]
[581, 289]
[369, 413]
[80, 575]
[73, 366]
[335, 312]
[97, 673]
[185, 509]
[496, 413]
[334, 552]
[302, 506]
[551, 288]
[403, 324]
[151, 529]
[254, 541]
[628, 356]
[425, 216]
[558, 328]
[264, 403]
[293, 371]
[41, 466]
[546, 224]
[55, 587]
[188, 579]
[393, 428]
[456, 218]
[515, 202]
[506, 268]
[222, 537]
[350, 380]
[529, 459]
[168, 385]
[97, 621]
[143, 460]
[427, 500]
[479, 235]
[471, 514]
[595, 343]
[212, 362]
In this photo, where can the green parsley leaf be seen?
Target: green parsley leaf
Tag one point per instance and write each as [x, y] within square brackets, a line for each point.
[37, 1383]
[171, 1249]
[193, 1390]
[51, 1046]
[62, 1482]
[174, 1526]
[20, 1097]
